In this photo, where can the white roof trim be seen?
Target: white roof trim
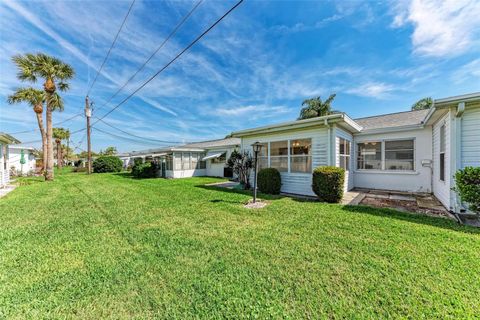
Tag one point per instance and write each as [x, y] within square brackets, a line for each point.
[355, 127]
[214, 155]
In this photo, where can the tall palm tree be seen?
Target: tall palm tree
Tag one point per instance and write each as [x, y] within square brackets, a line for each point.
[60, 134]
[35, 99]
[315, 107]
[55, 73]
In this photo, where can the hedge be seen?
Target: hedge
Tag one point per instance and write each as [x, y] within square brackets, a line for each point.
[145, 170]
[327, 183]
[467, 183]
[107, 164]
[269, 181]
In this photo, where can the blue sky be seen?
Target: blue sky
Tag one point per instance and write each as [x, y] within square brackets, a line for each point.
[255, 68]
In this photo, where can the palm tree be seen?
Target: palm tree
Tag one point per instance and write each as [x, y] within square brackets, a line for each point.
[425, 103]
[35, 99]
[55, 73]
[60, 134]
[315, 107]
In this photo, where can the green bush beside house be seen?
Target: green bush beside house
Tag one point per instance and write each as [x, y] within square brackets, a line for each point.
[269, 181]
[107, 164]
[328, 183]
[467, 182]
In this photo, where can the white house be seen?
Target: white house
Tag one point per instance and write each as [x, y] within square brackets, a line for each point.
[15, 157]
[206, 158]
[5, 141]
[416, 151]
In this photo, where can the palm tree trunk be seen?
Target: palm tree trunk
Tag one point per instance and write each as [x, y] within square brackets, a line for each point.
[59, 155]
[44, 141]
[49, 175]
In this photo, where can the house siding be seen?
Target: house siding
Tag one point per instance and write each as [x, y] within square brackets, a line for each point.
[441, 189]
[296, 183]
[418, 180]
[470, 137]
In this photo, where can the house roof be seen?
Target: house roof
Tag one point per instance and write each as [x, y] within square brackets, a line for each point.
[213, 143]
[6, 138]
[398, 119]
[196, 147]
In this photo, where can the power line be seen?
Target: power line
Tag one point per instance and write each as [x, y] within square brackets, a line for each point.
[171, 61]
[172, 33]
[128, 139]
[55, 124]
[111, 47]
[133, 135]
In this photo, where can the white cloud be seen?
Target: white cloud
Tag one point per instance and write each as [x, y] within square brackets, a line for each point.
[300, 27]
[251, 109]
[377, 90]
[441, 27]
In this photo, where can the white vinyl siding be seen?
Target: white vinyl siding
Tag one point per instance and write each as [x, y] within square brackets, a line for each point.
[470, 137]
[293, 182]
[441, 189]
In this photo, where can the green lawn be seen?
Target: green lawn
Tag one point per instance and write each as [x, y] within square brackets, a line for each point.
[108, 246]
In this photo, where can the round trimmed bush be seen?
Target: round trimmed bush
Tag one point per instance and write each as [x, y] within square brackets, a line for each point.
[107, 164]
[145, 170]
[269, 181]
[327, 183]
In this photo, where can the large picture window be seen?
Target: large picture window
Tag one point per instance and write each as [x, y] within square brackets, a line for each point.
[392, 155]
[279, 155]
[370, 155]
[399, 155]
[344, 154]
[301, 155]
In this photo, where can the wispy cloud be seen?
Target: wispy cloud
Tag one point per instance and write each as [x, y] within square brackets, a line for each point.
[378, 90]
[251, 109]
[441, 28]
[301, 27]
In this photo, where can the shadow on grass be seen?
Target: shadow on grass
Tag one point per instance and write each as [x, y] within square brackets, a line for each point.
[379, 212]
[250, 193]
[412, 217]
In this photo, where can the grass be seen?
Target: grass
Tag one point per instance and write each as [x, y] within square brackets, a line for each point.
[108, 246]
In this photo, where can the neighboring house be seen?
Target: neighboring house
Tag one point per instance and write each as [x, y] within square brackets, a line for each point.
[5, 141]
[416, 151]
[15, 156]
[206, 158]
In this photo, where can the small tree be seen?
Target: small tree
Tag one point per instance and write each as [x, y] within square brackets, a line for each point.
[109, 151]
[424, 103]
[241, 163]
[467, 182]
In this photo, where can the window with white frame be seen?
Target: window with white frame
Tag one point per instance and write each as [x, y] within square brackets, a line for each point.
[177, 161]
[344, 154]
[279, 155]
[369, 156]
[391, 155]
[301, 155]
[399, 155]
[442, 153]
[263, 157]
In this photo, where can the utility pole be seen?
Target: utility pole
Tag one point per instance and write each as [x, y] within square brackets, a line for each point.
[88, 114]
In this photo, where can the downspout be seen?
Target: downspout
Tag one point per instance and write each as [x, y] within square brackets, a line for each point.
[329, 141]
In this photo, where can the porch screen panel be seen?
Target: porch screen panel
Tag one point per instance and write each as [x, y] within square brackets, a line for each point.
[177, 161]
[194, 163]
[263, 156]
[186, 161]
[370, 156]
[279, 155]
[399, 155]
[301, 155]
[169, 162]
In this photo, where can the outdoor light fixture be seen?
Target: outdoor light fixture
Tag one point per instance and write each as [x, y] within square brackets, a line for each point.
[257, 146]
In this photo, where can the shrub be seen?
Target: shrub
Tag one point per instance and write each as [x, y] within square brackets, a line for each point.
[468, 187]
[78, 163]
[269, 181]
[327, 183]
[145, 170]
[241, 163]
[107, 164]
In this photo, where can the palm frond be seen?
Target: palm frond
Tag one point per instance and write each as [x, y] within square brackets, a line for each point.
[55, 102]
[28, 95]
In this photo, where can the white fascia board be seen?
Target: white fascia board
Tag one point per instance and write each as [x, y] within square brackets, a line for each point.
[299, 124]
[456, 99]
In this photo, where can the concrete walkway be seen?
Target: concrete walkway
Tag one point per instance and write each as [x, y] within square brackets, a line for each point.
[7, 189]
